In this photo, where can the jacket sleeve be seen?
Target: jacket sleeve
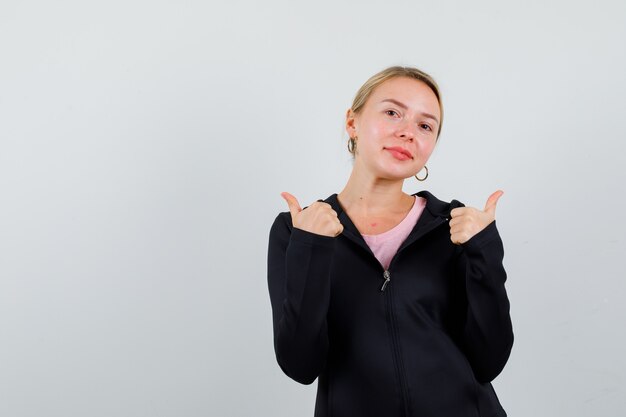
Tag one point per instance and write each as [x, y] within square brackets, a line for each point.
[298, 275]
[487, 334]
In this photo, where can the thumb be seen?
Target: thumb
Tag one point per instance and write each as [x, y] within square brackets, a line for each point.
[292, 202]
[490, 206]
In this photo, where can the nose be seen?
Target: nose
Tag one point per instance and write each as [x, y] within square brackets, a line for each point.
[407, 131]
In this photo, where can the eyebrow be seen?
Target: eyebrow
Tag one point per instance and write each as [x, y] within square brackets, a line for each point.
[397, 103]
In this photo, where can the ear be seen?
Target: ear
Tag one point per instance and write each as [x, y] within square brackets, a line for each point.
[350, 123]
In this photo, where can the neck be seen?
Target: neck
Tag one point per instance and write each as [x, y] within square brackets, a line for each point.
[369, 195]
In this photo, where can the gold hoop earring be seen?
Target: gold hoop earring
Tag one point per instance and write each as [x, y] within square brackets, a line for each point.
[422, 179]
[352, 144]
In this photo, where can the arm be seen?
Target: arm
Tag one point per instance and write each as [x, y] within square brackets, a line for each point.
[299, 284]
[487, 335]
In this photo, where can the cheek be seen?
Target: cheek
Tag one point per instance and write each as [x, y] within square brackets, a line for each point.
[375, 130]
[429, 142]
[427, 145]
[378, 128]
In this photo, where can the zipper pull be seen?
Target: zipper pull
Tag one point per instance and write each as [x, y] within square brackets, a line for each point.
[387, 277]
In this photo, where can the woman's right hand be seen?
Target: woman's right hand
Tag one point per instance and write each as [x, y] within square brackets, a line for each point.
[319, 217]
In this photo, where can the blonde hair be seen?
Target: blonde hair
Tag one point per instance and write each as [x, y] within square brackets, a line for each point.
[374, 81]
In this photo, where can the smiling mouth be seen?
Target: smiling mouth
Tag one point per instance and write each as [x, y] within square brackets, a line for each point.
[400, 153]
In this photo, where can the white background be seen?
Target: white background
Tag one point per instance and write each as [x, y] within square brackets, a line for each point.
[144, 146]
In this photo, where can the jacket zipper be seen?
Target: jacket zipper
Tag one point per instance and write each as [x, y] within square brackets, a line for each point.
[387, 273]
[387, 276]
[395, 343]
[397, 354]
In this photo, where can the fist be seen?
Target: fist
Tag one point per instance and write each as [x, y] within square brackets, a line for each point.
[319, 217]
[468, 221]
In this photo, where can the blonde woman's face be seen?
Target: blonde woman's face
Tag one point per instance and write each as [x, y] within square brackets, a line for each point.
[401, 113]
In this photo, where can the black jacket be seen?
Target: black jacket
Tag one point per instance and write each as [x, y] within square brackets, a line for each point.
[427, 345]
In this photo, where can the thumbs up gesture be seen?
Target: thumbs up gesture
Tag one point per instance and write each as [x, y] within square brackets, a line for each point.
[468, 221]
[319, 217]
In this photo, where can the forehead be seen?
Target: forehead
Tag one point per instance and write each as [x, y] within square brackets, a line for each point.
[415, 94]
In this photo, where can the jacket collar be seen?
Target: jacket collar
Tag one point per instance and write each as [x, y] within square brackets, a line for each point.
[435, 213]
[435, 206]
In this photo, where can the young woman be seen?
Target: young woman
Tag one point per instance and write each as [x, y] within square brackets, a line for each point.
[395, 302]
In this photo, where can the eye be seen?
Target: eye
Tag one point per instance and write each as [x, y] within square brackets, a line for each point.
[427, 127]
[391, 111]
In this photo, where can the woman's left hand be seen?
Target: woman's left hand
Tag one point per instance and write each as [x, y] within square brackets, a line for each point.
[468, 221]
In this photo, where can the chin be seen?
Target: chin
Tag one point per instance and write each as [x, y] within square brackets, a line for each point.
[396, 174]
[393, 170]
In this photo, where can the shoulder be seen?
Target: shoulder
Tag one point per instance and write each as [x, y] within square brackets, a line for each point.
[282, 224]
[282, 232]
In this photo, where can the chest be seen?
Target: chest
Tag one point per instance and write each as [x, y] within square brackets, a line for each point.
[374, 225]
[420, 269]
[423, 279]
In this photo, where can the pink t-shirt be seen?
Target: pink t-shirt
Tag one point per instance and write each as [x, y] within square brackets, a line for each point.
[385, 245]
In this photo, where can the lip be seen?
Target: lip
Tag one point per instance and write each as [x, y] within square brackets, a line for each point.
[399, 149]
